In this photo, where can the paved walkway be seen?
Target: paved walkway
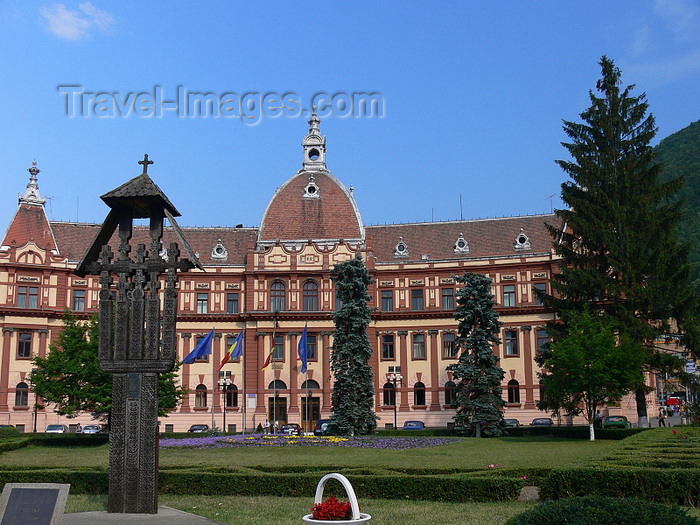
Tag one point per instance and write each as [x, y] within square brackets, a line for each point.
[165, 515]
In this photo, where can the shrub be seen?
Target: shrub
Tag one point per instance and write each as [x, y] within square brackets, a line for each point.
[592, 510]
[670, 485]
[9, 432]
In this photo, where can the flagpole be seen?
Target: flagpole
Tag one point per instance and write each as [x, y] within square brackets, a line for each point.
[245, 398]
[213, 387]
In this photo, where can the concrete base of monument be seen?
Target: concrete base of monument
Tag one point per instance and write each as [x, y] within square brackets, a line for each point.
[165, 515]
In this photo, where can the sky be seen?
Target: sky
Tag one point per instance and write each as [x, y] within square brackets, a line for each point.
[469, 99]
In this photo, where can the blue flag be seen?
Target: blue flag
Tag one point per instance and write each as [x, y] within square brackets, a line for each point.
[303, 351]
[201, 350]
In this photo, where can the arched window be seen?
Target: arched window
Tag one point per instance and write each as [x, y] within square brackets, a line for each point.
[231, 396]
[389, 394]
[419, 394]
[450, 388]
[278, 297]
[277, 384]
[200, 396]
[310, 384]
[22, 395]
[513, 392]
[310, 296]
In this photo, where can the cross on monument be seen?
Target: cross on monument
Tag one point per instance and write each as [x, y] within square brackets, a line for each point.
[145, 162]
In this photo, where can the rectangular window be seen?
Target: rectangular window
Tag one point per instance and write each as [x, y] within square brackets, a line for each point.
[202, 303]
[27, 297]
[542, 340]
[387, 301]
[448, 299]
[509, 295]
[278, 352]
[24, 348]
[311, 347]
[232, 303]
[449, 349]
[417, 300]
[78, 300]
[419, 346]
[511, 342]
[388, 347]
[541, 287]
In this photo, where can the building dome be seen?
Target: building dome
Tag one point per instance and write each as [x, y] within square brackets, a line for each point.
[313, 204]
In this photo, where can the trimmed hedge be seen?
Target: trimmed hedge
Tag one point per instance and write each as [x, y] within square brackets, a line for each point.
[671, 485]
[434, 488]
[594, 510]
[81, 481]
[69, 440]
[574, 432]
[14, 444]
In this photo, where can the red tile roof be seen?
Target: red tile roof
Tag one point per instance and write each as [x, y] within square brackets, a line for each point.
[291, 216]
[30, 224]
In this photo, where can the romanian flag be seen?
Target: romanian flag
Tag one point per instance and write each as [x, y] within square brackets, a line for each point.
[201, 350]
[235, 351]
[269, 358]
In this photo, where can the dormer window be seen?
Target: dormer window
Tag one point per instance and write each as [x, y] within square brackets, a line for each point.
[312, 191]
[219, 251]
[401, 249]
[461, 245]
[521, 241]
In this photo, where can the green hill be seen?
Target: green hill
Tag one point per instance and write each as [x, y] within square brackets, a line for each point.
[680, 155]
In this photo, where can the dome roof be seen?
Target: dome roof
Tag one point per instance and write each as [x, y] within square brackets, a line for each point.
[311, 205]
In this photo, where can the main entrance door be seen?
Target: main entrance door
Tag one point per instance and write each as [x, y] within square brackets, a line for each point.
[310, 412]
[277, 410]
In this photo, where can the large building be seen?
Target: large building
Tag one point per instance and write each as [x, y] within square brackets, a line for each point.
[274, 280]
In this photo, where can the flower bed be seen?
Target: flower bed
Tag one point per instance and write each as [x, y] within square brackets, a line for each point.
[266, 440]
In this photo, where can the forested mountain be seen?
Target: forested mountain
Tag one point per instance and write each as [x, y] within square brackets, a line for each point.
[680, 155]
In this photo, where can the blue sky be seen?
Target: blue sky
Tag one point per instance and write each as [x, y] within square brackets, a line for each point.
[473, 97]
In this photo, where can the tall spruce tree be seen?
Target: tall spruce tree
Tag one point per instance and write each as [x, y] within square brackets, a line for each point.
[353, 389]
[478, 394]
[618, 238]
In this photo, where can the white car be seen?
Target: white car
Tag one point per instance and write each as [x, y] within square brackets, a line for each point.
[56, 429]
[91, 429]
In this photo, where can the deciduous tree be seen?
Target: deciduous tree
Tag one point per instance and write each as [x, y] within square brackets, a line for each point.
[70, 378]
[591, 366]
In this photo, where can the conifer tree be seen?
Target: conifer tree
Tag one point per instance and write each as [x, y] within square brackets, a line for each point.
[478, 394]
[353, 389]
[618, 238]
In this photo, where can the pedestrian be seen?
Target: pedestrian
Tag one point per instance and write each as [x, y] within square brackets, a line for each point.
[267, 426]
[597, 421]
[662, 417]
[277, 426]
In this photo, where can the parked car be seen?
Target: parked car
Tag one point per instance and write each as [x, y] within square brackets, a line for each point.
[92, 429]
[199, 428]
[56, 429]
[291, 429]
[616, 422]
[511, 423]
[542, 422]
[321, 427]
[414, 425]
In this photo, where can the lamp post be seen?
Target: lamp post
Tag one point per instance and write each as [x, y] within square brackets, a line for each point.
[224, 383]
[35, 400]
[395, 378]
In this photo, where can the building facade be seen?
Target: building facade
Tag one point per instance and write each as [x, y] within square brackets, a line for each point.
[274, 280]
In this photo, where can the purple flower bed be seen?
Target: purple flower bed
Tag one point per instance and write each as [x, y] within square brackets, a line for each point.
[263, 440]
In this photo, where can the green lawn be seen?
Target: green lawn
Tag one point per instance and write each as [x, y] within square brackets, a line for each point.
[468, 454]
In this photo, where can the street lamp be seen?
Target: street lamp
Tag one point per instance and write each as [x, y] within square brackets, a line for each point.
[224, 383]
[395, 378]
[35, 399]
